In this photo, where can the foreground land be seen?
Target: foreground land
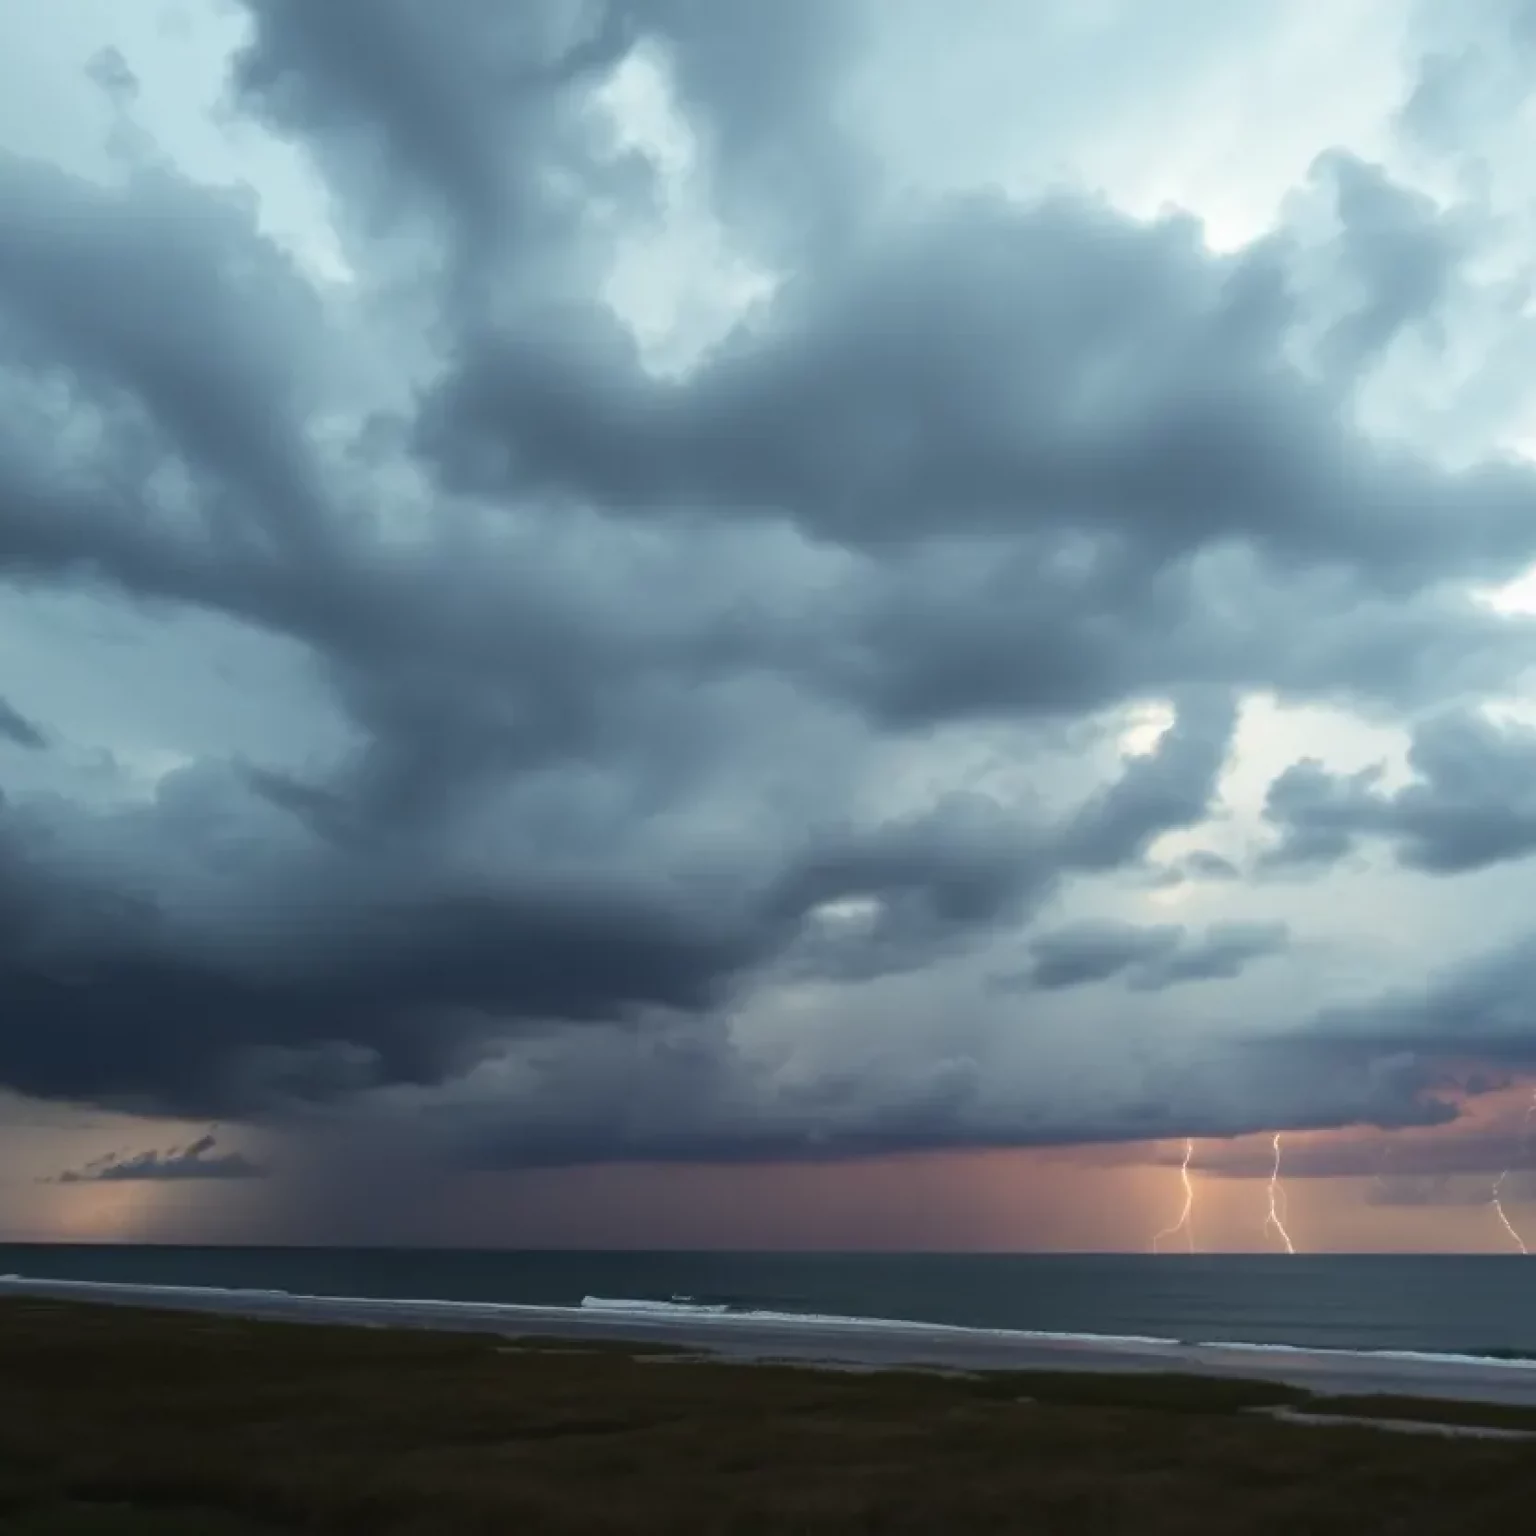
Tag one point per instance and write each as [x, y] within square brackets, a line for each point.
[117, 1422]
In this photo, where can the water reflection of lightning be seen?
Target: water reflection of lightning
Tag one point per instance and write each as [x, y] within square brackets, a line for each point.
[1185, 1223]
[1498, 1184]
[1277, 1202]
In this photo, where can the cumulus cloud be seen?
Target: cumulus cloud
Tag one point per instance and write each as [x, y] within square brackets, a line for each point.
[1469, 803]
[682, 768]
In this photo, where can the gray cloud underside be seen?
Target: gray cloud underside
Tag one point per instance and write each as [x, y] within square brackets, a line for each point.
[1150, 958]
[622, 656]
[1482, 1009]
[332, 967]
[665, 1101]
[18, 730]
[1409, 1169]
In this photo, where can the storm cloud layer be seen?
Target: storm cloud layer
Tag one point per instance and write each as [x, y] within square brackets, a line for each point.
[720, 754]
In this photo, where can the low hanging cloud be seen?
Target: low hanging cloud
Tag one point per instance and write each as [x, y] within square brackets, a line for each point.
[200, 1159]
[1479, 1009]
[671, 762]
[1410, 1167]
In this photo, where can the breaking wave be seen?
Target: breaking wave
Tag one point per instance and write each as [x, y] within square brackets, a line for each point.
[682, 1309]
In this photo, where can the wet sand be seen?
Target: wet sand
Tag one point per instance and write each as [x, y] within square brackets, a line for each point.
[868, 1344]
[1397, 1426]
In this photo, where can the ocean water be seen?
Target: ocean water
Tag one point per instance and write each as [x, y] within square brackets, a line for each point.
[1464, 1305]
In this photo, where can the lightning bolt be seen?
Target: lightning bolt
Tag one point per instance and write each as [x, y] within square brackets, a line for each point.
[1498, 1210]
[1498, 1183]
[1185, 1223]
[1277, 1202]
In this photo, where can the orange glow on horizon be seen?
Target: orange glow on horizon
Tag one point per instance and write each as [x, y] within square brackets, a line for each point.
[1419, 1189]
[114, 1212]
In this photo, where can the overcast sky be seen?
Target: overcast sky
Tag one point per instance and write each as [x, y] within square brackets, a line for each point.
[778, 622]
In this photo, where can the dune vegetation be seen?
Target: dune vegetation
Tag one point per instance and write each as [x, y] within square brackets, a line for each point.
[120, 1422]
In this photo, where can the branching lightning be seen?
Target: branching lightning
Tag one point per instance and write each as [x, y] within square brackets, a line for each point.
[1498, 1184]
[1185, 1223]
[1277, 1202]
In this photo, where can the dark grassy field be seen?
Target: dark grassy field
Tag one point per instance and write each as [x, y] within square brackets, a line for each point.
[126, 1423]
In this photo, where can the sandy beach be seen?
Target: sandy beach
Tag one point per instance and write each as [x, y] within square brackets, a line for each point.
[864, 1343]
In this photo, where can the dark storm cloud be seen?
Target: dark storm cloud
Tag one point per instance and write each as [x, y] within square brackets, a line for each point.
[1398, 249]
[1052, 435]
[1222, 953]
[759, 80]
[18, 730]
[1149, 958]
[200, 1159]
[650, 1098]
[467, 105]
[1160, 792]
[940, 880]
[310, 982]
[1037, 621]
[1477, 1010]
[332, 967]
[1470, 803]
[1438, 1165]
[482, 113]
[1089, 952]
[1107, 389]
[165, 313]
[1319, 813]
[624, 662]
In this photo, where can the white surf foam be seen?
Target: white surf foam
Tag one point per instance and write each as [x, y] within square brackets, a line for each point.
[592, 1308]
[677, 1307]
[1426, 1356]
[598, 1309]
[759, 1317]
[247, 1295]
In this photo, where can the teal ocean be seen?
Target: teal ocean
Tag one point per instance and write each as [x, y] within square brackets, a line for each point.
[1468, 1305]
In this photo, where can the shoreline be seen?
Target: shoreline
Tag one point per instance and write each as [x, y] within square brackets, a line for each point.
[870, 1344]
